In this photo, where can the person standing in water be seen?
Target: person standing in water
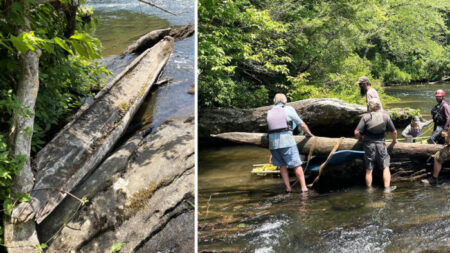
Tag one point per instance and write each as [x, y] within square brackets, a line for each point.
[373, 125]
[282, 144]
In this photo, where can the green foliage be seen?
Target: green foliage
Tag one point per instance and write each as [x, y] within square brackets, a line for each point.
[9, 167]
[240, 48]
[320, 48]
[66, 76]
[116, 247]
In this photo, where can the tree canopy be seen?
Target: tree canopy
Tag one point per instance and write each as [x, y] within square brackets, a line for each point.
[250, 50]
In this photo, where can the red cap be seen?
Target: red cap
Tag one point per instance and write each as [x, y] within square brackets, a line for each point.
[440, 93]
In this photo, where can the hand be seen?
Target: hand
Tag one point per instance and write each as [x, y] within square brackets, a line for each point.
[443, 133]
[309, 135]
[394, 141]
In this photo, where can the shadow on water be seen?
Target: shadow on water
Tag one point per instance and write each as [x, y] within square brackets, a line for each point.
[243, 212]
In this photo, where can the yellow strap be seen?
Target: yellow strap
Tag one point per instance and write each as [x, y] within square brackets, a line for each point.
[336, 146]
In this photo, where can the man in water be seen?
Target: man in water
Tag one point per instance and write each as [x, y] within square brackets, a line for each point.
[415, 128]
[439, 158]
[441, 118]
[282, 144]
[373, 125]
[366, 89]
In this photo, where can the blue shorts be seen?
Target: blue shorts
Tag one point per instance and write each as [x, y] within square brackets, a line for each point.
[286, 156]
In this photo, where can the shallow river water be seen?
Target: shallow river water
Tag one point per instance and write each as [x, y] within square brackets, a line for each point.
[121, 22]
[241, 212]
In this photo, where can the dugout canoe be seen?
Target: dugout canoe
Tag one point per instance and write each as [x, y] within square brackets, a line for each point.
[82, 144]
[323, 145]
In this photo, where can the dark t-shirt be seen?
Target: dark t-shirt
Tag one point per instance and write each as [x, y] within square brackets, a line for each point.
[370, 137]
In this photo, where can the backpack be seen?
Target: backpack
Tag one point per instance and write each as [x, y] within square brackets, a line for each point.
[439, 117]
[376, 124]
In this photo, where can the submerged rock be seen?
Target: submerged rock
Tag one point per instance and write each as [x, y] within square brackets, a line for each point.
[142, 196]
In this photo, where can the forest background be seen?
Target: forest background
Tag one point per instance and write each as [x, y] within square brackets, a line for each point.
[250, 50]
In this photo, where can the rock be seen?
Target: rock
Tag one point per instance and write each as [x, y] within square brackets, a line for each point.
[324, 116]
[141, 202]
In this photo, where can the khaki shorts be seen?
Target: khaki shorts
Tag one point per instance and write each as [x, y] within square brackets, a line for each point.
[376, 153]
[443, 154]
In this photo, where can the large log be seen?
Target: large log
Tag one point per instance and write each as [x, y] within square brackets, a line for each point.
[324, 116]
[78, 148]
[151, 38]
[324, 145]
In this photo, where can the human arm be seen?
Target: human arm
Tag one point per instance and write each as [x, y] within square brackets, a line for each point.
[394, 137]
[446, 109]
[426, 123]
[360, 129]
[406, 131]
[305, 128]
[390, 127]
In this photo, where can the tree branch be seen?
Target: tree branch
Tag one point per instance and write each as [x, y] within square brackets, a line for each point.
[154, 5]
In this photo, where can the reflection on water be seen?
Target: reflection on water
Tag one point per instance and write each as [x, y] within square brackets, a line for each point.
[243, 212]
[120, 28]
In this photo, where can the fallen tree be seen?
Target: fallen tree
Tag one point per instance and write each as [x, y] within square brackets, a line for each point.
[83, 143]
[324, 116]
[151, 38]
[323, 145]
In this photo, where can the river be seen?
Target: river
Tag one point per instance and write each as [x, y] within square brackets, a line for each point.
[240, 212]
[121, 22]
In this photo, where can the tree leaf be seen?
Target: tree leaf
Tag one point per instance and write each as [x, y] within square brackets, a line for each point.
[116, 247]
[19, 44]
[63, 44]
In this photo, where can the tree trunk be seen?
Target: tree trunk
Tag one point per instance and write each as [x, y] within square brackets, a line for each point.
[83, 143]
[17, 236]
[324, 116]
[324, 145]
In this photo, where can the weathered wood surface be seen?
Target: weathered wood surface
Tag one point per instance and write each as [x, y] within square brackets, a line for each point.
[151, 38]
[324, 116]
[142, 195]
[324, 145]
[83, 143]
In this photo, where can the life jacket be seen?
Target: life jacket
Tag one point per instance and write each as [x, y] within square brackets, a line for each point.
[438, 115]
[415, 132]
[277, 120]
[376, 125]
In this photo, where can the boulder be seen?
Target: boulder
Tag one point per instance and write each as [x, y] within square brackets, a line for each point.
[324, 116]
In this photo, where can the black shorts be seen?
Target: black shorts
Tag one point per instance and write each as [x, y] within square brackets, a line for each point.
[376, 153]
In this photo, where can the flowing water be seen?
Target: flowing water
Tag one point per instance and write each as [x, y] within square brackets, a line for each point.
[121, 22]
[241, 212]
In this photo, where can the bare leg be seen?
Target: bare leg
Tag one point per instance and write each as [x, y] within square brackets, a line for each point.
[301, 178]
[369, 177]
[436, 168]
[386, 177]
[285, 176]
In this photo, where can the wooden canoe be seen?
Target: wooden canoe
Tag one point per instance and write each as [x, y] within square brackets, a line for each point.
[324, 145]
